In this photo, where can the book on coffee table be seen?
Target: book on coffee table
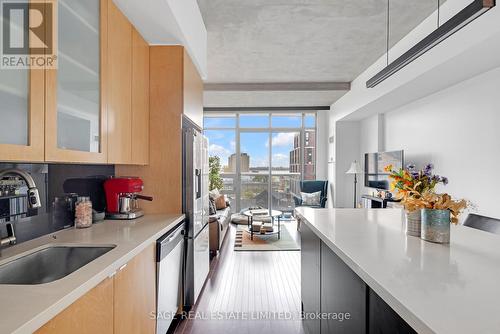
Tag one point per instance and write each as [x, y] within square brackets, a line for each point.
[256, 226]
[259, 212]
[266, 228]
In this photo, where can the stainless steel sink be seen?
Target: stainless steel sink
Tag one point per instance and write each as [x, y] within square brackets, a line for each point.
[49, 264]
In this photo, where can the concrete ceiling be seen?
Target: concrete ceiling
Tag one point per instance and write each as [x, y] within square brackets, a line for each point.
[299, 40]
[271, 98]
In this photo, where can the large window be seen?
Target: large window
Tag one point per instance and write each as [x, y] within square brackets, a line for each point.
[263, 156]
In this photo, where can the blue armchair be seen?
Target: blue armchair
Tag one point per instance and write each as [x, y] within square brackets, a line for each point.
[312, 187]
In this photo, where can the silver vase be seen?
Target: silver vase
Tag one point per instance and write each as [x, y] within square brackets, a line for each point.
[413, 223]
[436, 226]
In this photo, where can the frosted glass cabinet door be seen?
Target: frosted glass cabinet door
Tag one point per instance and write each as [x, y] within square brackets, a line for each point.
[21, 115]
[74, 106]
[14, 94]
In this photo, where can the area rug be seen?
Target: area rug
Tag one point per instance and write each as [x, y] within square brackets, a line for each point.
[260, 242]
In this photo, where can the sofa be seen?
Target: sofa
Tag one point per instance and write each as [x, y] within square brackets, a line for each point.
[218, 225]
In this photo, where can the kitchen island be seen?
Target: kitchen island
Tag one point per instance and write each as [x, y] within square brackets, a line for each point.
[27, 307]
[360, 261]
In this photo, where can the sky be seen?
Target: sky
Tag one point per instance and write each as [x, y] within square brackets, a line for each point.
[222, 143]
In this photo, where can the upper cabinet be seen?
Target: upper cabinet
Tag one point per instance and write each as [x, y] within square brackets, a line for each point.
[128, 92]
[94, 106]
[140, 100]
[119, 87]
[76, 115]
[193, 92]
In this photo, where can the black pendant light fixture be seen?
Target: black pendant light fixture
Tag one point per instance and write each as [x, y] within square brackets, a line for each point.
[457, 22]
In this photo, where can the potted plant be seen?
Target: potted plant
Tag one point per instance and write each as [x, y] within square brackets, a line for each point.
[410, 183]
[438, 212]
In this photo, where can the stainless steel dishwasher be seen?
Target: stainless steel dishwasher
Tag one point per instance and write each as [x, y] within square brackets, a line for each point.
[169, 271]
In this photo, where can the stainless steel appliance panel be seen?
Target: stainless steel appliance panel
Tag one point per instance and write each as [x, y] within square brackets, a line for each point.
[170, 254]
[195, 206]
[201, 259]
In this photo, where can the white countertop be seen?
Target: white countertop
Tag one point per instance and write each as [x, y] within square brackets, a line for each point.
[25, 308]
[436, 288]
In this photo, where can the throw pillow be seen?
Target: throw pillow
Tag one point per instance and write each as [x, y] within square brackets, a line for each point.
[313, 199]
[212, 209]
[220, 202]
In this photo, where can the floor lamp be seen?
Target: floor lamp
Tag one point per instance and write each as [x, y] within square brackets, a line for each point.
[355, 169]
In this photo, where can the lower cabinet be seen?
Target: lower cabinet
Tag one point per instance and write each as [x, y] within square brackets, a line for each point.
[343, 296]
[124, 303]
[135, 295]
[335, 299]
[310, 278]
[383, 319]
[92, 313]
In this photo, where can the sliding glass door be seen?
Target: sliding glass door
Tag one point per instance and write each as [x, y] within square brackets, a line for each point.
[263, 157]
[286, 162]
[254, 169]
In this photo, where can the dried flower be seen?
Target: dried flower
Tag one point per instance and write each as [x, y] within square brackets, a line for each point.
[429, 200]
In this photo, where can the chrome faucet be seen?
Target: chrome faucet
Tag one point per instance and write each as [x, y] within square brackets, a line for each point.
[11, 236]
[33, 195]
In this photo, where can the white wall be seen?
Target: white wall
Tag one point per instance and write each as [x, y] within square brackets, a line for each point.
[454, 127]
[347, 145]
[322, 145]
[368, 143]
[457, 129]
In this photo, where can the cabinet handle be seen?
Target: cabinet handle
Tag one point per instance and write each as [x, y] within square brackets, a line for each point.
[122, 267]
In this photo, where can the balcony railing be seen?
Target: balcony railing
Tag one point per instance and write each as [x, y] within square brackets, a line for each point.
[254, 189]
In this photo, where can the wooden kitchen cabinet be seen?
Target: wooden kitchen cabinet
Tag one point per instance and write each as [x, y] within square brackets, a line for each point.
[135, 295]
[123, 303]
[119, 87]
[76, 92]
[22, 114]
[94, 107]
[92, 313]
[128, 92]
[140, 99]
[175, 88]
[193, 92]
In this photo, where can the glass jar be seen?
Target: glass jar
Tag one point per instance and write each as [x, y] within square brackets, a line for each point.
[83, 212]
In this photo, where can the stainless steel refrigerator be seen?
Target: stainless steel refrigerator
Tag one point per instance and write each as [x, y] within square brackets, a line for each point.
[195, 207]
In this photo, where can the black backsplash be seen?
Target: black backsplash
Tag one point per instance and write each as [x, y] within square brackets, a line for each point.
[49, 179]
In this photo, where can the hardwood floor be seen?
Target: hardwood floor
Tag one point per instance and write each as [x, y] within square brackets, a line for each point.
[249, 292]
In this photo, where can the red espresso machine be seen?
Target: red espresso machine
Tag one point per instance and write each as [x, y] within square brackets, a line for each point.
[122, 194]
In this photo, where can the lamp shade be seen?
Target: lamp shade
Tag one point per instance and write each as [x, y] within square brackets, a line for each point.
[355, 168]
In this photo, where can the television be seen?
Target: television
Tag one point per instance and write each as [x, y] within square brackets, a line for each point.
[375, 163]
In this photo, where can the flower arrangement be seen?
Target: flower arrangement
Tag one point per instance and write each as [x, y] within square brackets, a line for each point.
[410, 182]
[416, 190]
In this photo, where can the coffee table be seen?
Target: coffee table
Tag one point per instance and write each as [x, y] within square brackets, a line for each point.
[273, 214]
